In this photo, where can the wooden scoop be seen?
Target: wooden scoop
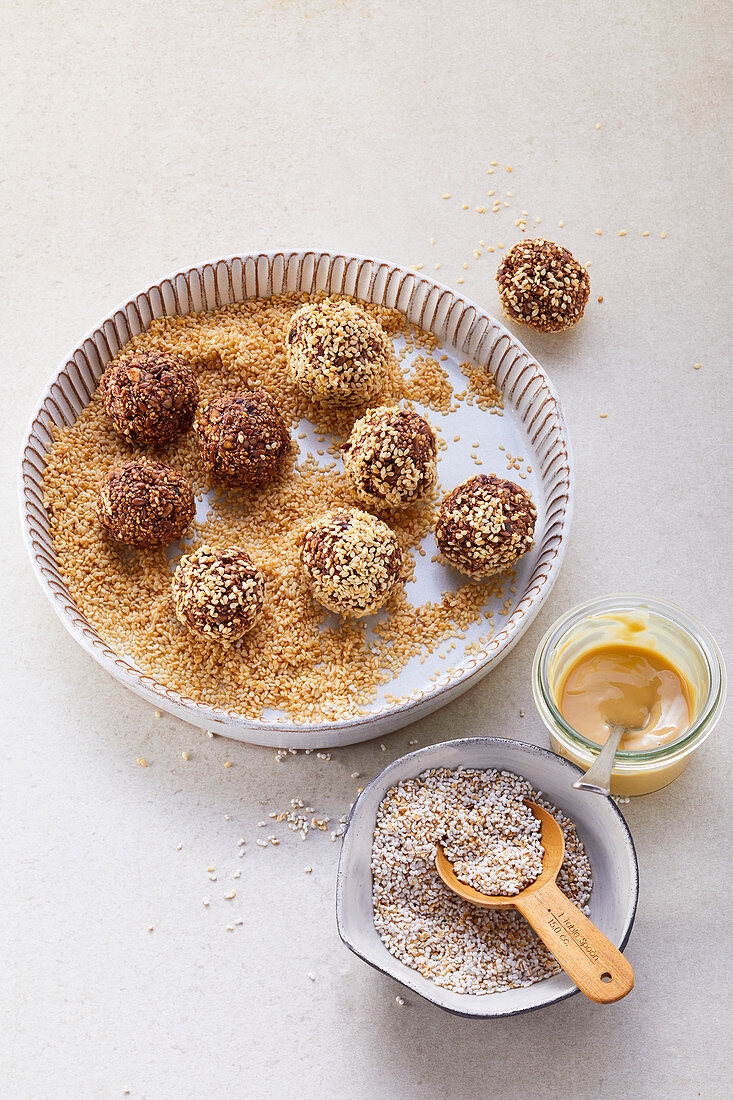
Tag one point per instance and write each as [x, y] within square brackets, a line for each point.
[597, 967]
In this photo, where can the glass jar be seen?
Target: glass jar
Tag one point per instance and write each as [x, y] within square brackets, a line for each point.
[647, 623]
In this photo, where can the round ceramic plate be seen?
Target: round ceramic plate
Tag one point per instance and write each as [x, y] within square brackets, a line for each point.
[532, 427]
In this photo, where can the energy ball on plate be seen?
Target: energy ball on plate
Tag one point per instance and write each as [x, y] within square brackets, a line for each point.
[542, 285]
[242, 438]
[218, 593]
[150, 396]
[337, 352]
[390, 457]
[145, 504]
[351, 561]
[484, 525]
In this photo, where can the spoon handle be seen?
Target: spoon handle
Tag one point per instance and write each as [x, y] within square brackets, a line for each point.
[597, 967]
[598, 777]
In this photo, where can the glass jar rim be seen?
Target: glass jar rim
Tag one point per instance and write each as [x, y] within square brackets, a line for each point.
[699, 636]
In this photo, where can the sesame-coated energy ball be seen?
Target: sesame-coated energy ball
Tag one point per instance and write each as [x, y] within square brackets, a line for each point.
[218, 594]
[352, 561]
[150, 396]
[542, 285]
[390, 457]
[485, 525]
[145, 504]
[337, 352]
[242, 438]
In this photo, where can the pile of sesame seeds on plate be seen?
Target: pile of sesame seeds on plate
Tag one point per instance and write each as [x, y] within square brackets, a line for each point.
[425, 925]
[296, 659]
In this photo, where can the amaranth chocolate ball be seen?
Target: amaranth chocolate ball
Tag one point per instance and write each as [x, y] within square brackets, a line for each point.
[485, 525]
[390, 457]
[351, 561]
[150, 396]
[218, 594]
[242, 438]
[337, 352]
[145, 503]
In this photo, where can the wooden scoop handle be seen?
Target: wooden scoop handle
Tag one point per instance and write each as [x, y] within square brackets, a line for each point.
[597, 967]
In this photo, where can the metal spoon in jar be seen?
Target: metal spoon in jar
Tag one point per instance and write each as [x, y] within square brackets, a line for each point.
[598, 968]
[597, 779]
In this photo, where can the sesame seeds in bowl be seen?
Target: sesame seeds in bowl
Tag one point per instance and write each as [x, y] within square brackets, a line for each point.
[369, 874]
[493, 410]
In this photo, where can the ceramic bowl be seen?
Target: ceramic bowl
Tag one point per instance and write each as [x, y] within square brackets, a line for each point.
[600, 825]
[531, 426]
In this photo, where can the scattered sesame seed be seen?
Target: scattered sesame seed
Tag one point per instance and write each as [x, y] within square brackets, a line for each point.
[645, 233]
[697, 366]
[622, 232]
[446, 196]
[461, 280]
[561, 224]
[598, 126]
[157, 714]
[480, 209]
[399, 1001]
[437, 267]
[178, 847]
[599, 232]
[432, 240]
[663, 235]
[231, 895]
[227, 763]
[508, 167]
[603, 416]
[416, 267]
[465, 206]
[151, 927]
[184, 755]
[206, 902]
[142, 762]
[309, 870]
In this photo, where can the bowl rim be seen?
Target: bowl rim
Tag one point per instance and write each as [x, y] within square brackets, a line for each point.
[456, 679]
[468, 742]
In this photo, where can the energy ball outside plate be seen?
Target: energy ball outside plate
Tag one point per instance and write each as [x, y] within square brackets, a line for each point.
[542, 285]
[145, 504]
[351, 561]
[150, 396]
[337, 352]
[242, 438]
[391, 457]
[485, 525]
[218, 594]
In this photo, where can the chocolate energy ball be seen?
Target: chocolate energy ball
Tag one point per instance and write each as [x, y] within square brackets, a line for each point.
[218, 593]
[150, 396]
[351, 561]
[337, 352]
[542, 285]
[145, 503]
[242, 438]
[391, 457]
[484, 525]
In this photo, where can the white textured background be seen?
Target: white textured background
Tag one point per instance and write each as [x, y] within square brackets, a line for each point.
[140, 138]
